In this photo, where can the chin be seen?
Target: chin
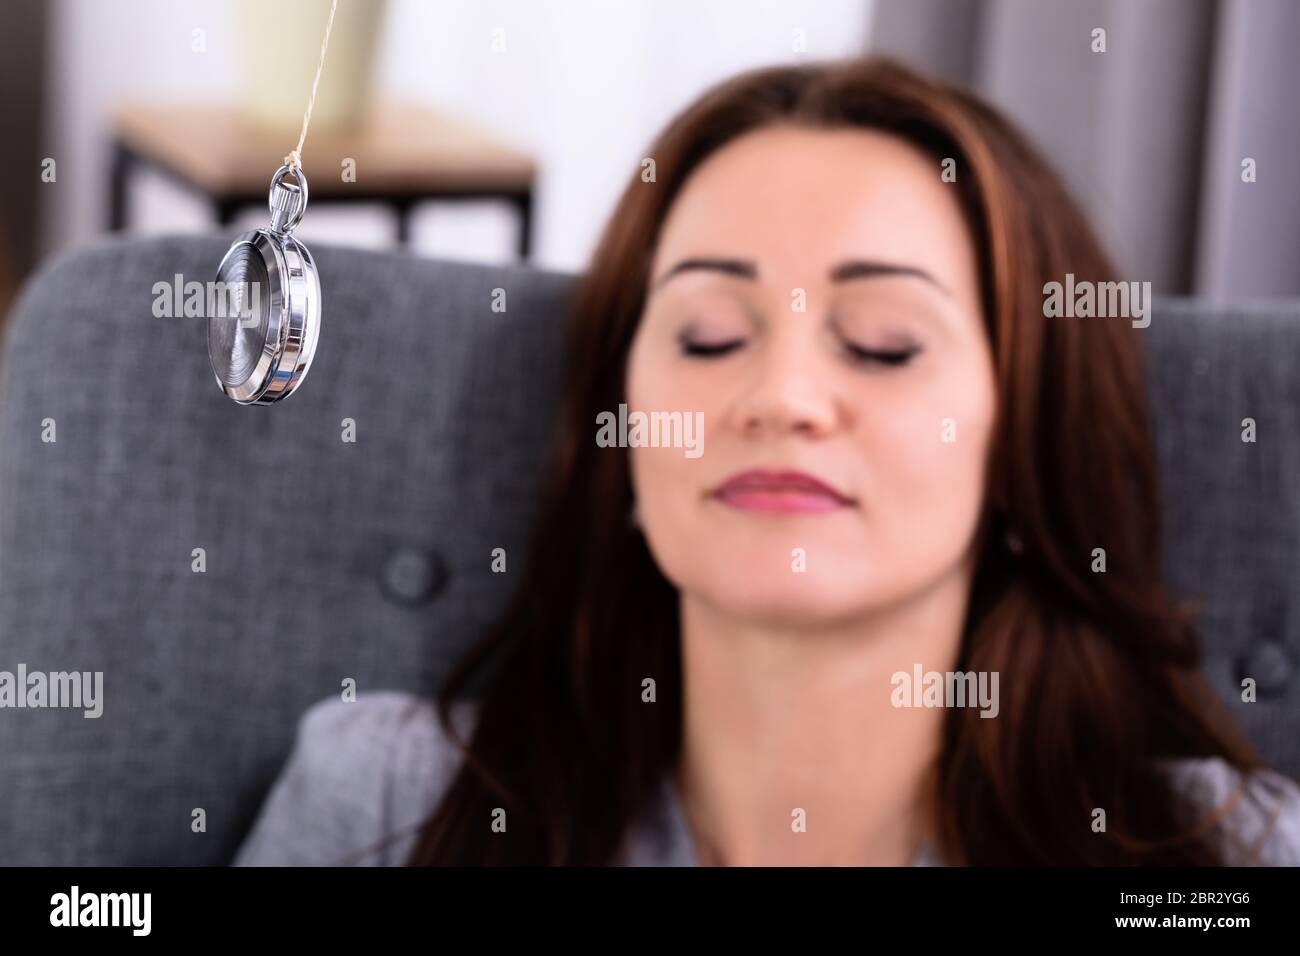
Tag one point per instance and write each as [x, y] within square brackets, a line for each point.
[788, 600]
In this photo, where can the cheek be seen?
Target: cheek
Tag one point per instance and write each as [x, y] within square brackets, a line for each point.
[927, 450]
[662, 383]
[667, 489]
[665, 481]
[658, 379]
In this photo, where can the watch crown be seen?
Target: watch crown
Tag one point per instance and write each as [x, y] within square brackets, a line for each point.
[287, 200]
[286, 207]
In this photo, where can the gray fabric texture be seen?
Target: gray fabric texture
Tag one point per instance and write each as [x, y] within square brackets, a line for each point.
[325, 560]
[371, 561]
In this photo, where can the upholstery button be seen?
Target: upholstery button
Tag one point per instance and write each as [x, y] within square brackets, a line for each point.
[1269, 664]
[410, 575]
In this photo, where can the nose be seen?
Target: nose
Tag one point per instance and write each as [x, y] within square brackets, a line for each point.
[791, 393]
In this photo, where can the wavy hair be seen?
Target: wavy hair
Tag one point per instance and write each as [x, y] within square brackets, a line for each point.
[562, 740]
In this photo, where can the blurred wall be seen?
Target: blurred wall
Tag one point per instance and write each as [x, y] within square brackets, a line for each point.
[582, 84]
[1151, 129]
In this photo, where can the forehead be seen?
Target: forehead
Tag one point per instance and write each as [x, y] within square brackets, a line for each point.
[796, 201]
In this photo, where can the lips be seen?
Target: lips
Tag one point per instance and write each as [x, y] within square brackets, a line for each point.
[785, 491]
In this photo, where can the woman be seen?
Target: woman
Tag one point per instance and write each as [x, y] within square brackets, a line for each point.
[910, 470]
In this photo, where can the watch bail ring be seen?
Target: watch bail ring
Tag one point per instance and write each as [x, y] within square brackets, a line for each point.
[287, 202]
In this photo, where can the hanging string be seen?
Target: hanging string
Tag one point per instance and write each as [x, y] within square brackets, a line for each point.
[294, 159]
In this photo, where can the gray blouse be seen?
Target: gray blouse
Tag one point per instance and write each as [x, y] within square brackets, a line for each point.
[363, 776]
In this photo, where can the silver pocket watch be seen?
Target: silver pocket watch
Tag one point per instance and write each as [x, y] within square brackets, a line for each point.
[261, 353]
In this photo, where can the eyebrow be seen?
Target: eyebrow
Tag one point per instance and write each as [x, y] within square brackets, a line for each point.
[842, 272]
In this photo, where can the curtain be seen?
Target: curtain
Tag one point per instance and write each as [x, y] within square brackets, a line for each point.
[1152, 134]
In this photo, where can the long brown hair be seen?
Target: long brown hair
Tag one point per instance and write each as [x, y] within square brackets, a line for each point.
[1106, 665]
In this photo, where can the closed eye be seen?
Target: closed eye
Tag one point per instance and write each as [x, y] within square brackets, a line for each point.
[891, 357]
[708, 349]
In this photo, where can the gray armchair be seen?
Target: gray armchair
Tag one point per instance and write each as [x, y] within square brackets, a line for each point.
[370, 560]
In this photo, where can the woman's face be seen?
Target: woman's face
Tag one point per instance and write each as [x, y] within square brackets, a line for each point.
[814, 294]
